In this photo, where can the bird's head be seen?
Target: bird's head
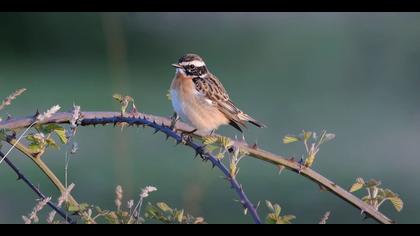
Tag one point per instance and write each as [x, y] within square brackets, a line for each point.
[191, 65]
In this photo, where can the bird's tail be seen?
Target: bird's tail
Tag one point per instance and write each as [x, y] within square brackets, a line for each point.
[246, 117]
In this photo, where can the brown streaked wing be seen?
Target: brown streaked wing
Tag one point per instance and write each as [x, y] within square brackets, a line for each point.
[213, 89]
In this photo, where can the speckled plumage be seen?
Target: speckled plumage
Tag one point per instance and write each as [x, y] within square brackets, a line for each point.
[200, 99]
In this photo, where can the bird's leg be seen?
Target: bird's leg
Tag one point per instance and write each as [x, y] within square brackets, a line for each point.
[174, 119]
[301, 165]
[186, 135]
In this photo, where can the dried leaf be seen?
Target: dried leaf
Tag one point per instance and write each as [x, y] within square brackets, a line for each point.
[207, 140]
[307, 135]
[356, 186]
[328, 137]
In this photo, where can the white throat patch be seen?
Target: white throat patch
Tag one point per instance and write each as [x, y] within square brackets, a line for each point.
[181, 71]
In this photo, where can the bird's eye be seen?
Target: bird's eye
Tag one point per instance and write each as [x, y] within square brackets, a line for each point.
[192, 66]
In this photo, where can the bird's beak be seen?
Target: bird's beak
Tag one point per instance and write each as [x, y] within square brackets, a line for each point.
[176, 65]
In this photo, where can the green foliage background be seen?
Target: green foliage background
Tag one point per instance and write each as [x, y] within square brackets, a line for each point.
[354, 74]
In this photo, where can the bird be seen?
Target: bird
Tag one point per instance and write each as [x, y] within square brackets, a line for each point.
[199, 98]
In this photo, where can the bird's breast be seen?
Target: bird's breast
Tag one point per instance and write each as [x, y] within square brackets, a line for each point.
[193, 107]
[182, 94]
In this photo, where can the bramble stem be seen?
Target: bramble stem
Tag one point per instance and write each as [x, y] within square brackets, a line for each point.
[277, 160]
[50, 174]
[35, 189]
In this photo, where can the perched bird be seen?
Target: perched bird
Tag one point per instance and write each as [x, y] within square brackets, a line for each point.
[199, 98]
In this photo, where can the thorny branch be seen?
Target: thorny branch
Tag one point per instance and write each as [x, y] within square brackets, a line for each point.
[200, 150]
[163, 124]
[36, 190]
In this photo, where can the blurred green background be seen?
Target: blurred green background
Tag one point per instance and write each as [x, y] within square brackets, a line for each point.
[355, 74]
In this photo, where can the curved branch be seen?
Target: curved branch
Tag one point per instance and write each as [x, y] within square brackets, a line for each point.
[200, 150]
[65, 117]
[49, 173]
[36, 190]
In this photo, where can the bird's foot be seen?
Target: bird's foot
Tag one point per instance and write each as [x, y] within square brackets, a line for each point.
[187, 136]
[174, 119]
[302, 166]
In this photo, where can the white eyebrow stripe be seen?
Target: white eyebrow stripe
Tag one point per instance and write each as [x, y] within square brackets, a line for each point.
[196, 63]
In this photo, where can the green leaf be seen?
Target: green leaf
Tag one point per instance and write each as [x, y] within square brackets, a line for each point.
[46, 129]
[211, 148]
[118, 97]
[397, 203]
[179, 216]
[372, 183]
[35, 147]
[73, 208]
[31, 138]
[2, 134]
[83, 206]
[277, 209]
[271, 219]
[164, 207]
[290, 139]
[286, 219]
[61, 133]
[112, 218]
[52, 143]
[366, 199]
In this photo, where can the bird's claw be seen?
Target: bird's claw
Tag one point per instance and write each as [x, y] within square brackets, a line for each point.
[186, 136]
[174, 119]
